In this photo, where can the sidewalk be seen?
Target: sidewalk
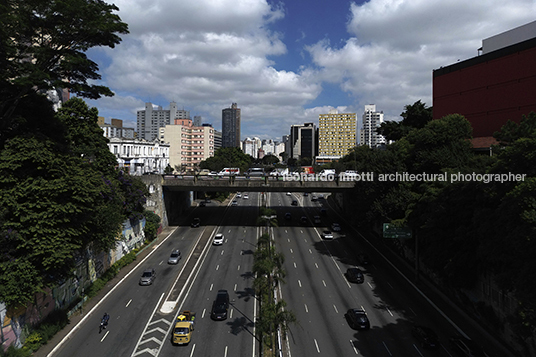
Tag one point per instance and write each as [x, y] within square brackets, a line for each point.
[79, 315]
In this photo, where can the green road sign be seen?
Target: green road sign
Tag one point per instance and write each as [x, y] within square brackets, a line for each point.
[392, 231]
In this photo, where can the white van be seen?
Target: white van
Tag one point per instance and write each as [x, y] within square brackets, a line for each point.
[229, 171]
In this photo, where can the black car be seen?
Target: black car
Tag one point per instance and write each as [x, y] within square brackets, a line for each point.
[288, 216]
[355, 275]
[294, 203]
[465, 347]
[425, 336]
[357, 319]
[323, 212]
[220, 306]
[195, 223]
[304, 220]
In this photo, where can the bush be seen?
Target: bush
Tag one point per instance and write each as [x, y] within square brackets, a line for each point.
[98, 284]
[15, 352]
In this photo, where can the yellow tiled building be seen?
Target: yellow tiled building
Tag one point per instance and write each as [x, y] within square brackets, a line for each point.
[337, 134]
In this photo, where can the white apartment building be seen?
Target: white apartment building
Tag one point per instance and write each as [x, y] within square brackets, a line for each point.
[189, 144]
[116, 129]
[251, 146]
[150, 120]
[371, 121]
[140, 156]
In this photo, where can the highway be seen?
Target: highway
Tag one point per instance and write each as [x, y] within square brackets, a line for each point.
[315, 289]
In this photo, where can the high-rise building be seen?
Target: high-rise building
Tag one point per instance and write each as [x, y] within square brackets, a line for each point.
[230, 126]
[303, 141]
[371, 121]
[150, 120]
[217, 139]
[189, 144]
[198, 120]
[337, 135]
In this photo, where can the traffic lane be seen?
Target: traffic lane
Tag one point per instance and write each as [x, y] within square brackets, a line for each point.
[311, 296]
[334, 295]
[213, 338]
[386, 307]
[128, 305]
[384, 334]
[225, 267]
[408, 308]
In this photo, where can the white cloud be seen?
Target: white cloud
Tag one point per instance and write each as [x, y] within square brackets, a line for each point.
[206, 54]
[396, 44]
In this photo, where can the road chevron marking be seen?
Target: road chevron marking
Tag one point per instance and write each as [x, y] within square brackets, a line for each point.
[151, 351]
[152, 339]
[161, 320]
[157, 329]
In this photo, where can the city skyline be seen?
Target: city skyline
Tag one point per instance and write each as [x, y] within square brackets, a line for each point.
[286, 63]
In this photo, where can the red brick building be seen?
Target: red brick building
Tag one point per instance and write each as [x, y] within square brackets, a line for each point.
[494, 87]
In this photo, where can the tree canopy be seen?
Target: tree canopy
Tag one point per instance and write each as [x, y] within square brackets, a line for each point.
[58, 195]
[43, 46]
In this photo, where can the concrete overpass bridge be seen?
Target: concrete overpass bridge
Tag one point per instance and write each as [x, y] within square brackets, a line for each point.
[172, 195]
[296, 183]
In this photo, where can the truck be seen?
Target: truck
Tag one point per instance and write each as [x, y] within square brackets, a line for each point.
[184, 326]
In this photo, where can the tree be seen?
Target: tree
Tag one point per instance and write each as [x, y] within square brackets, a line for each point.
[227, 157]
[415, 116]
[43, 46]
[58, 195]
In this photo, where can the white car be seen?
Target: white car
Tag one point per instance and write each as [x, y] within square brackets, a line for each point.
[327, 235]
[218, 239]
[289, 194]
[246, 196]
[238, 195]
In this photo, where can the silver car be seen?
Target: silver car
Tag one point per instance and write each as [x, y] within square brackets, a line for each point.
[175, 257]
[147, 277]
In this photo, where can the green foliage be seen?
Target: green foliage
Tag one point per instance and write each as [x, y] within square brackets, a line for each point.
[59, 194]
[227, 157]
[12, 351]
[152, 222]
[512, 131]
[44, 45]
[111, 273]
[415, 116]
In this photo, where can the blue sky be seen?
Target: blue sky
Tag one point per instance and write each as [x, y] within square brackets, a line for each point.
[286, 62]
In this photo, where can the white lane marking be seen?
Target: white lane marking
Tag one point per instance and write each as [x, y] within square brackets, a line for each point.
[234, 287]
[299, 283]
[295, 265]
[238, 267]
[217, 267]
[222, 252]
[203, 314]
[291, 251]
[323, 282]
[316, 344]
[211, 286]
[384, 345]
[316, 265]
[353, 345]
[193, 349]
[310, 251]
[335, 307]
[389, 311]
[306, 309]
[103, 337]
[128, 303]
